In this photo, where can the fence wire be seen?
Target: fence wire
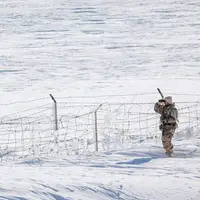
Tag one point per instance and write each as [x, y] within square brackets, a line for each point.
[118, 125]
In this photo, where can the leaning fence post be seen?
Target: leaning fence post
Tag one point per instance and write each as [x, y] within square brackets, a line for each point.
[55, 113]
[96, 128]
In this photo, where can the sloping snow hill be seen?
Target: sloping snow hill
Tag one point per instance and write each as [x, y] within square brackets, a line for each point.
[140, 173]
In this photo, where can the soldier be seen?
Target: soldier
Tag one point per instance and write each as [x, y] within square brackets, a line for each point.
[168, 122]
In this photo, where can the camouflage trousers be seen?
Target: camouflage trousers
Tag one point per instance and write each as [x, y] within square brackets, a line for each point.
[167, 134]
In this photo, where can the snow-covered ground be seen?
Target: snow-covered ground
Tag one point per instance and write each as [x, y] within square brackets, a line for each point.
[93, 48]
[142, 172]
[86, 47]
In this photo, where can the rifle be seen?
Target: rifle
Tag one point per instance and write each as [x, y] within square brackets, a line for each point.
[161, 100]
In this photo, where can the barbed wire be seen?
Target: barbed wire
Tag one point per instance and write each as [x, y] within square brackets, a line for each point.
[31, 131]
[47, 106]
[98, 96]
[23, 102]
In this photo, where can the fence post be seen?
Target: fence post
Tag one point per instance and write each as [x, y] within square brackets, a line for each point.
[96, 128]
[55, 113]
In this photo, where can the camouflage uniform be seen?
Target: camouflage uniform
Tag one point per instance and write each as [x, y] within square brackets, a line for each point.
[168, 123]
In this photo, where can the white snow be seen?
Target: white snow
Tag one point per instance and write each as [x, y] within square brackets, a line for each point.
[142, 172]
[94, 52]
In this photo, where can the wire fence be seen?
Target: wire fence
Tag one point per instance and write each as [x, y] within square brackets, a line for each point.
[79, 126]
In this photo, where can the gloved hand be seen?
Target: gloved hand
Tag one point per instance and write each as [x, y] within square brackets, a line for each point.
[161, 100]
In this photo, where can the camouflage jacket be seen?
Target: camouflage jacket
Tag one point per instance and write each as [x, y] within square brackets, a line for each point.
[169, 114]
